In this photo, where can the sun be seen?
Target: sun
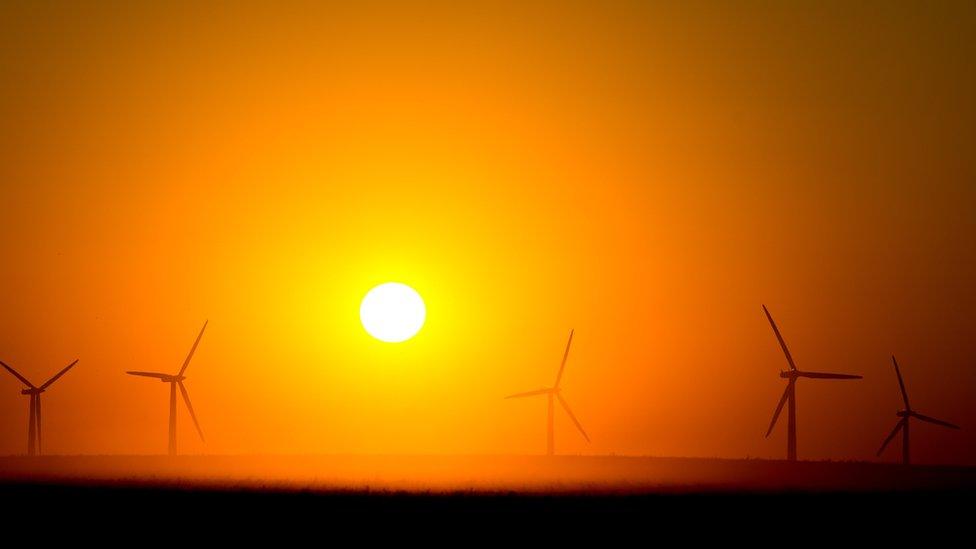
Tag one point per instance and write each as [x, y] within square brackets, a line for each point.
[392, 312]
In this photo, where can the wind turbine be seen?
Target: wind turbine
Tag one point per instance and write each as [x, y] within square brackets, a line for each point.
[789, 395]
[905, 415]
[34, 423]
[554, 393]
[174, 382]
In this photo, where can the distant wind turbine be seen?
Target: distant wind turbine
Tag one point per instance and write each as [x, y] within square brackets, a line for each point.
[174, 381]
[554, 392]
[34, 423]
[905, 415]
[789, 395]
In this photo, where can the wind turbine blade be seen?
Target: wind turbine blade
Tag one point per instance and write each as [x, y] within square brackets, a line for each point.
[562, 365]
[786, 351]
[894, 432]
[150, 374]
[59, 374]
[186, 399]
[18, 376]
[935, 421]
[530, 393]
[904, 393]
[779, 408]
[571, 416]
[193, 349]
[821, 375]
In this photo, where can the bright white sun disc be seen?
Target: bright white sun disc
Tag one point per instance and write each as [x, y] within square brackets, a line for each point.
[392, 312]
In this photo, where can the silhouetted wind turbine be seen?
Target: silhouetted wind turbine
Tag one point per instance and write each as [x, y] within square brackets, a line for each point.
[174, 381]
[789, 395]
[905, 415]
[554, 392]
[34, 423]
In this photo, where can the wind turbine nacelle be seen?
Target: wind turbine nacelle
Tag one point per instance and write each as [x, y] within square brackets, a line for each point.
[903, 413]
[31, 391]
[787, 374]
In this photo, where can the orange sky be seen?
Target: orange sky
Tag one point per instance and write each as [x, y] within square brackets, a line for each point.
[646, 175]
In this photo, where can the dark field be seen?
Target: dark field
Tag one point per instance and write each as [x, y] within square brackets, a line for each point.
[458, 491]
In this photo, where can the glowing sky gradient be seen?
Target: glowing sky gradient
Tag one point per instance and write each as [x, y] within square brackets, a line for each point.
[647, 175]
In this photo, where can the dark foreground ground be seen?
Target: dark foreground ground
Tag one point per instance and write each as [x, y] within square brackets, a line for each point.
[426, 497]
